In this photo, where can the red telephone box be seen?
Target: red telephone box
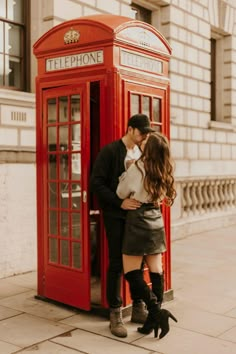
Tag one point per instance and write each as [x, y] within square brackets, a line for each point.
[93, 74]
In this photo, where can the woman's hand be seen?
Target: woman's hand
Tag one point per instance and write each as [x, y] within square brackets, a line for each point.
[129, 163]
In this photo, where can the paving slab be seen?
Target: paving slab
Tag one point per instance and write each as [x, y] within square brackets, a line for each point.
[48, 348]
[28, 280]
[8, 289]
[196, 320]
[26, 302]
[181, 341]
[91, 343]
[7, 348]
[206, 300]
[25, 330]
[6, 312]
[100, 325]
[231, 313]
[229, 335]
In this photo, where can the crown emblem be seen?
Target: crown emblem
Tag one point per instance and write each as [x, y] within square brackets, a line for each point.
[71, 36]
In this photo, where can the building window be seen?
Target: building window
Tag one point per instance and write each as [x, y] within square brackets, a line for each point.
[141, 13]
[13, 51]
[220, 82]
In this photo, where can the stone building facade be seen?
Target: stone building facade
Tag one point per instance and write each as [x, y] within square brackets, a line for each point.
[202, 34]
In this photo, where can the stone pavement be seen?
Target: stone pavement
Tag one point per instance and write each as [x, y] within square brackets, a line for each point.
[204, 283]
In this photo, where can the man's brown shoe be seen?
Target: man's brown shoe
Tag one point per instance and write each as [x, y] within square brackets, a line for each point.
[139, 312]
[116, 323]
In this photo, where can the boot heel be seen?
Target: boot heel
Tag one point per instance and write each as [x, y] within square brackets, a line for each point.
[164, 322]
[172, 316]
[156, 331]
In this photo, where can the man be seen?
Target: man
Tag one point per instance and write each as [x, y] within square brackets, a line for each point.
[111, 162]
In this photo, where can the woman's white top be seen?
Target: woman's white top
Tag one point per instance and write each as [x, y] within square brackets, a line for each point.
[131, 184]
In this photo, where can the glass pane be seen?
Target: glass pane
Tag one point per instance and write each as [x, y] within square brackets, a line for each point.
[65, 259]
[53, 250]
[76, 166]
[146, 105]
[52, 192]
[1, 69]
[52, 112]
[76, 256]
[1, 32]
[65, 224]
[156, 110]
[12, 40]
[52, 138]
[134, 104]
[76, 196]
[52, 166]
[15, 10]
[12, 71]
[64, 166]
[3, 12]
[63, 109]
[64, 192]
[75, 136]
[53, 222]
[75, 226]
[75, 107]
[63, 137]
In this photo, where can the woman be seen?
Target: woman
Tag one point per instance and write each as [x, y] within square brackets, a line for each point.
[150, 181]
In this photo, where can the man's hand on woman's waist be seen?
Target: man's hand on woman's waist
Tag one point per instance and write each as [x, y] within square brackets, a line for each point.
[130, 204]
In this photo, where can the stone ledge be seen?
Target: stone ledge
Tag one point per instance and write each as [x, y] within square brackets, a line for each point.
[187, 227]
[17, 156]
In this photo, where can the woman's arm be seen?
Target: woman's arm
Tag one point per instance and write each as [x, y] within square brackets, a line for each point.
[126, 182]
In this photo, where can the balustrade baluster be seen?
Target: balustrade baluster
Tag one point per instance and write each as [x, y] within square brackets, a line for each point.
[224, 204]
[199, 195]
[188, 198]
[216, 194]
[194, 197]
[231, 193]
[183, 199]
[205, 195]
[234, 192]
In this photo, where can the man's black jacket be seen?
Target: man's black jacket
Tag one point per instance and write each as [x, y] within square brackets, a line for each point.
[109, 165]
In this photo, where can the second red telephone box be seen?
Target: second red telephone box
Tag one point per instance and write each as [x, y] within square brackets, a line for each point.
[93, 74]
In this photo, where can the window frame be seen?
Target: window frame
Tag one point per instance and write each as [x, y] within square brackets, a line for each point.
[218, 68]
[142, 13]
[24, 55]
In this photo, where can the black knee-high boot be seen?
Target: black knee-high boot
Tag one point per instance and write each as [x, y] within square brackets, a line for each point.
[157, 280]
[157, 318]
[138, 287]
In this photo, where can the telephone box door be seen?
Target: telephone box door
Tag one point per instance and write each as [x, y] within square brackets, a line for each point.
[63, 215]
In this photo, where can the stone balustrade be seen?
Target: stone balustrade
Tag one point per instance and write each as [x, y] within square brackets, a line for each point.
[205, 195]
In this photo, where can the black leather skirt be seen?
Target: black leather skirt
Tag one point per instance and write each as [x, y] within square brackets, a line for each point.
[144, 231]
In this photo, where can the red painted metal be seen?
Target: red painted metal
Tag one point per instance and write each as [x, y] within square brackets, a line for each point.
[135, 62]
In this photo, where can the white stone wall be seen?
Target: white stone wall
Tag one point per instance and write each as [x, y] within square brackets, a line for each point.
[17, 183]
[17, 219]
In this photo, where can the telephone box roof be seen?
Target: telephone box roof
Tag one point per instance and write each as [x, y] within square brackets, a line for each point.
[101, 29]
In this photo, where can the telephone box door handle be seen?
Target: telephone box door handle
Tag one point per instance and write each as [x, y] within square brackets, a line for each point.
[84, 197]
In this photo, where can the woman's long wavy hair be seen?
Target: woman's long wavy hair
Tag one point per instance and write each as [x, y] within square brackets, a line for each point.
[158, 179]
